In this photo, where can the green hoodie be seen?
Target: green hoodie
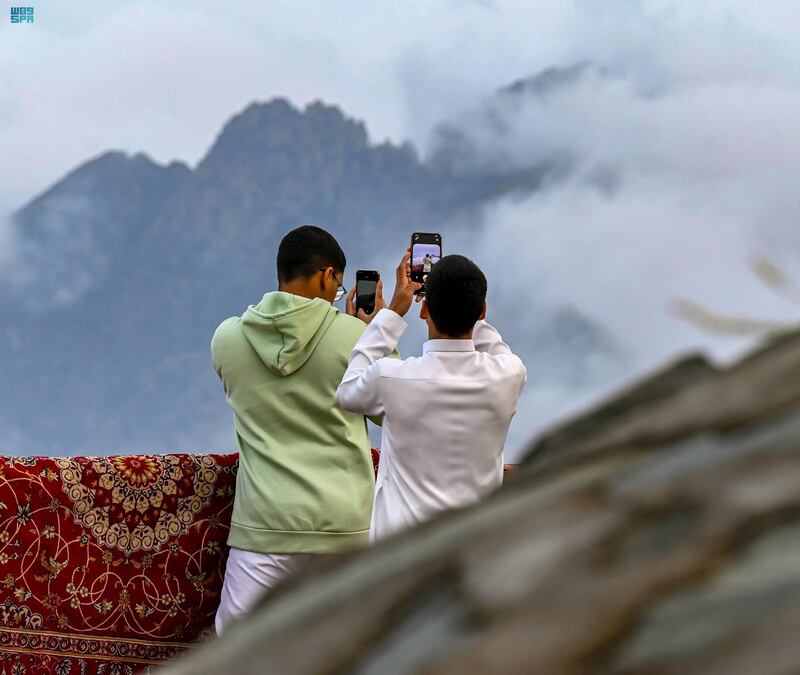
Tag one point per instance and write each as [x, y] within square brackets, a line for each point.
[305, 481]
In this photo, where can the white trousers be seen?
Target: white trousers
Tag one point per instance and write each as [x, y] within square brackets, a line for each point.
[248, 576]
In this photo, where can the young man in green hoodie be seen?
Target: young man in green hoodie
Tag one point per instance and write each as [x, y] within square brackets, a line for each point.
[305, 483]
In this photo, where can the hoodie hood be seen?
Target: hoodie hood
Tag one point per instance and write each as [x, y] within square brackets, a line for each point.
[285, 329]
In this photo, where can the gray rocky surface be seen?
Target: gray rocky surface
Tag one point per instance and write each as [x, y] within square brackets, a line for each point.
[657, 533]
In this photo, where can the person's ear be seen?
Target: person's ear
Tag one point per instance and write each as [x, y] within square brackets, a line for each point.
[483, 313]
[423, 311]
[327, 275]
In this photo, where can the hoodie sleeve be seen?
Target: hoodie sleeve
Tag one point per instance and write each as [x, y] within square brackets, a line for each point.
[359, 391]
[220, 345]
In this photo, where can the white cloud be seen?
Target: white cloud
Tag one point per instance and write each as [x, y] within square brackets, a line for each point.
[699, 182]
[162, 77]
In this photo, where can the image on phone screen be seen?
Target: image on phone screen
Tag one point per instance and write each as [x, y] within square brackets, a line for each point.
[365, 294]
[423, 258]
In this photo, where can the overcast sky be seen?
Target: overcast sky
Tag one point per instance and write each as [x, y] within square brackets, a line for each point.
[162, 77]
[695, 114]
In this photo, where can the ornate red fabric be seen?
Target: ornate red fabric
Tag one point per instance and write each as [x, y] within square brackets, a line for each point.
[109, 564]
[376, 458]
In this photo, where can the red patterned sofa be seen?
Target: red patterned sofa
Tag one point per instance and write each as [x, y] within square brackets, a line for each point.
[109, 564]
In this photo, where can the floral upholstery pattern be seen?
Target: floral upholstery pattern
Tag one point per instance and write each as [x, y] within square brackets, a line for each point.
[109, 565]
[138, 503]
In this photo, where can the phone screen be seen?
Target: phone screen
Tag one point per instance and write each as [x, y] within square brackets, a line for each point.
[423, 257]
[365, 294]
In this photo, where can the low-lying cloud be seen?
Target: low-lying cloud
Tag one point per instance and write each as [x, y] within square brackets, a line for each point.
[679, 143]
[674, 187]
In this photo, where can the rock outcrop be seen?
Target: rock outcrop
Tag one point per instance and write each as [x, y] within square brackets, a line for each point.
[657, 533]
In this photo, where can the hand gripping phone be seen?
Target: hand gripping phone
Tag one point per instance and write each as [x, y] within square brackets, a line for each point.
[366, 287]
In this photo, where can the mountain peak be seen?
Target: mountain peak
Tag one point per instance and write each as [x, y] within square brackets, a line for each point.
[552, 79]
[108, 172]
[278, 126]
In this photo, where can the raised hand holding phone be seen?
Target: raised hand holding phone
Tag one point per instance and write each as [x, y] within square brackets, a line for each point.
[404, 288]
[380, 303]
[353, 310]
[366, 287]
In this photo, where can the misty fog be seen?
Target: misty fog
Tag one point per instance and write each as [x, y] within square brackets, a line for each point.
[676, 137]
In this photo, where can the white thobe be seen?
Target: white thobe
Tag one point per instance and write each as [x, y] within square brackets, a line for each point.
[446, 418]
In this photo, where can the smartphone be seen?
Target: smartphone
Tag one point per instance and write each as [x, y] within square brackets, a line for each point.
[366, 287]
[426, 251]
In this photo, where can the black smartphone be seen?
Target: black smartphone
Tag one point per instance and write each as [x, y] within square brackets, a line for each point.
[366, 287]
[426, 251]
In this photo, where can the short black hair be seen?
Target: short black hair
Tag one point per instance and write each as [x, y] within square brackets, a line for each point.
[307, 249]
[456, 293]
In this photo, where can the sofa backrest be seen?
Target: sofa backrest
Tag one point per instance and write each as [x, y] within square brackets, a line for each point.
[110, 564]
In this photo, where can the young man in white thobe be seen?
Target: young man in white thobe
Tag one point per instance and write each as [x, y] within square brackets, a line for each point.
[446, 413]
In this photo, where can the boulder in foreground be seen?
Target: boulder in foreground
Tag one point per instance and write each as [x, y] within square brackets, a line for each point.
[658, 533]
